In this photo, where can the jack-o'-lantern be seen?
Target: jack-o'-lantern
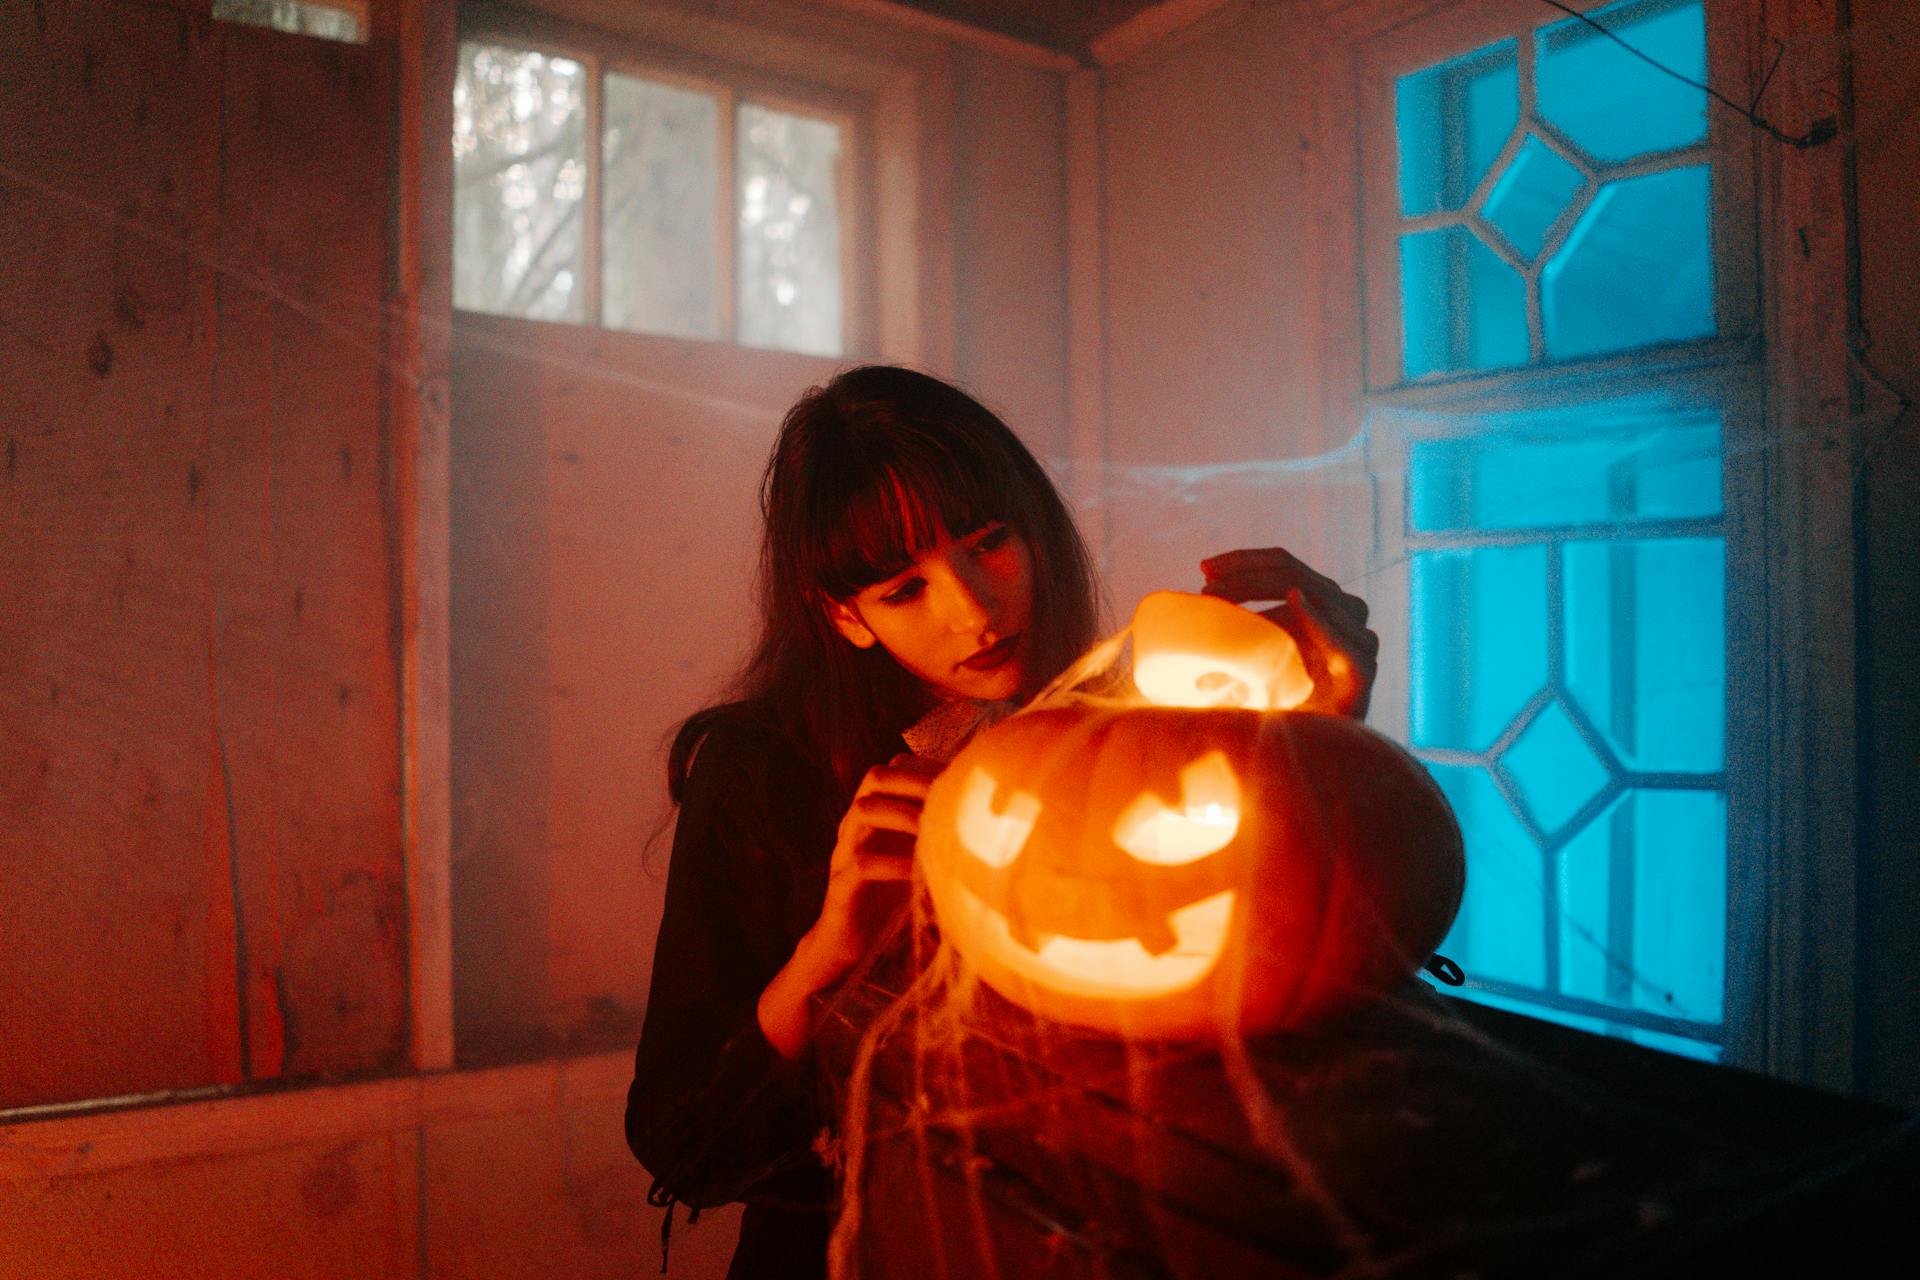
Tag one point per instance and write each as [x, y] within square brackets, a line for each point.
[1180, 871]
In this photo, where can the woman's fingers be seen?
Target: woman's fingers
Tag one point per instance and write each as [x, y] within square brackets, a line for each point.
[891, 812]
[1268, 573]
[1341, 659]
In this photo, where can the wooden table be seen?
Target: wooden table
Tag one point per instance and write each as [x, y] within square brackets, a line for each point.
[1423, 1136]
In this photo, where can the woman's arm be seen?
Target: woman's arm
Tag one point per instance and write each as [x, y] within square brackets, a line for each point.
[872, 856]
[715, 1112]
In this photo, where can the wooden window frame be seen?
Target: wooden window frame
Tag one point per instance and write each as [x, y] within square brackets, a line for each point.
[732, 85]
[1781, 245]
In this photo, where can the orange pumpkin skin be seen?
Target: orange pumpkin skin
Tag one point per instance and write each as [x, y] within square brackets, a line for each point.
[1343, 864]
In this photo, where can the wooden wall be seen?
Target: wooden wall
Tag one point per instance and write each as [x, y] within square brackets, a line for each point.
[198, 698]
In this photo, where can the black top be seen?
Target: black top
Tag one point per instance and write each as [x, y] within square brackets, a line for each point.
[715, 1113]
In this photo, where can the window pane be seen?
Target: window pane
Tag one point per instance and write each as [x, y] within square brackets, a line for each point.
[1636, 269]
[1680, 903]
[662, 207]
[1464, 307]
[1646, 648]
[1478, 642]
[1531, 195]
[1612, 104]
[1643, 900]
[1500, 932]
[789, 242]
[1595, 465]
[1453, 119]
[520, 173]
[302, 17]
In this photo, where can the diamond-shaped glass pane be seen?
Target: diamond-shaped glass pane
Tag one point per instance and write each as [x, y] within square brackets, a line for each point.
[1499, 932]
[1463, 307]
[1636, 269]
[1452, 120]
[1556, 771]
[1613, 104]
[1531, 195]
[1478, 642]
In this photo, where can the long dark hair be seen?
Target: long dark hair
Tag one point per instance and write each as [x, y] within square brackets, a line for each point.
[865, 473]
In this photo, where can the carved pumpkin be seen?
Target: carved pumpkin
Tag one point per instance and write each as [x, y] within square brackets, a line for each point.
[1180, 871]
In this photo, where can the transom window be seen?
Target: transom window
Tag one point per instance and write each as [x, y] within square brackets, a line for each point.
[1551, 402]
[606, 192]
[1554, 195]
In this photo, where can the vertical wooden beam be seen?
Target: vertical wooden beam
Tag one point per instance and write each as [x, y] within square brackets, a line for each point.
[1810, 796]
[420, 301]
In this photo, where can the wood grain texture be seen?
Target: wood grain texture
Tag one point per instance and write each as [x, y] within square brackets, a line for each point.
[200, 670]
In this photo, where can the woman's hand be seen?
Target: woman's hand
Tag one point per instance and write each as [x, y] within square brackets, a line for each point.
[1328, 623]
[874, 850]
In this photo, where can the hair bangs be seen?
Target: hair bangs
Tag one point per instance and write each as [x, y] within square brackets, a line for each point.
[883, 510]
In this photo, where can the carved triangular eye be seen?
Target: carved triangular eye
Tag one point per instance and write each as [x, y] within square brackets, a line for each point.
[1205, 821]
[994, 838]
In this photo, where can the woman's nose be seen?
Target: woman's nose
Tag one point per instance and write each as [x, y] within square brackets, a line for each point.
[969, 601]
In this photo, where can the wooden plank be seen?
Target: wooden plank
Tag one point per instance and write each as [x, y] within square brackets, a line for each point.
[120, 971]
[301, 512]
[420, 296]
[97, 1141]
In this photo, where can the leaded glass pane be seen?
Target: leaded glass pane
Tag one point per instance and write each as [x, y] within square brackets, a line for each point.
[789, 232]
[1591, 466]
[1588, 967]
[1554, 768]
[519, 174]
[1531, 195]
[1463, 307]
[662, 205]
[1646, 648]
[1500, 932]
[1636, 269]
[1613, 105]
[1478, 640]
[1453, 119]
[1680, 903]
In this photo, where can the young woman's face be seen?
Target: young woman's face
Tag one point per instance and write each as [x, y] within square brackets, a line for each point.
[957, 617]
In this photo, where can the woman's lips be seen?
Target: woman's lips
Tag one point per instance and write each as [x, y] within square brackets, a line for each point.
[995, 655]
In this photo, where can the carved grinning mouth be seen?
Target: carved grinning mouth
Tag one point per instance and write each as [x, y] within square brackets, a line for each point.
[1108, 970]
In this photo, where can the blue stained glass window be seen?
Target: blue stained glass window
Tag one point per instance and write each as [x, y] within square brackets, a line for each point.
[1567, 567]
[1453, 120]
[1613, 105]
[1636, 268]
[1478, 642]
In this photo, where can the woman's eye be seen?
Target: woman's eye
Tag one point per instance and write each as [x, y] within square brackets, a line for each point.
[993, 539]
[905, 592]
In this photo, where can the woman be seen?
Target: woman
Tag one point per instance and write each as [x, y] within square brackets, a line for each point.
[919, 573]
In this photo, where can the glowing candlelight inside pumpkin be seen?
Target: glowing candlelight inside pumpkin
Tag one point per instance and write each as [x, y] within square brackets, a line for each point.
[1199, 651]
